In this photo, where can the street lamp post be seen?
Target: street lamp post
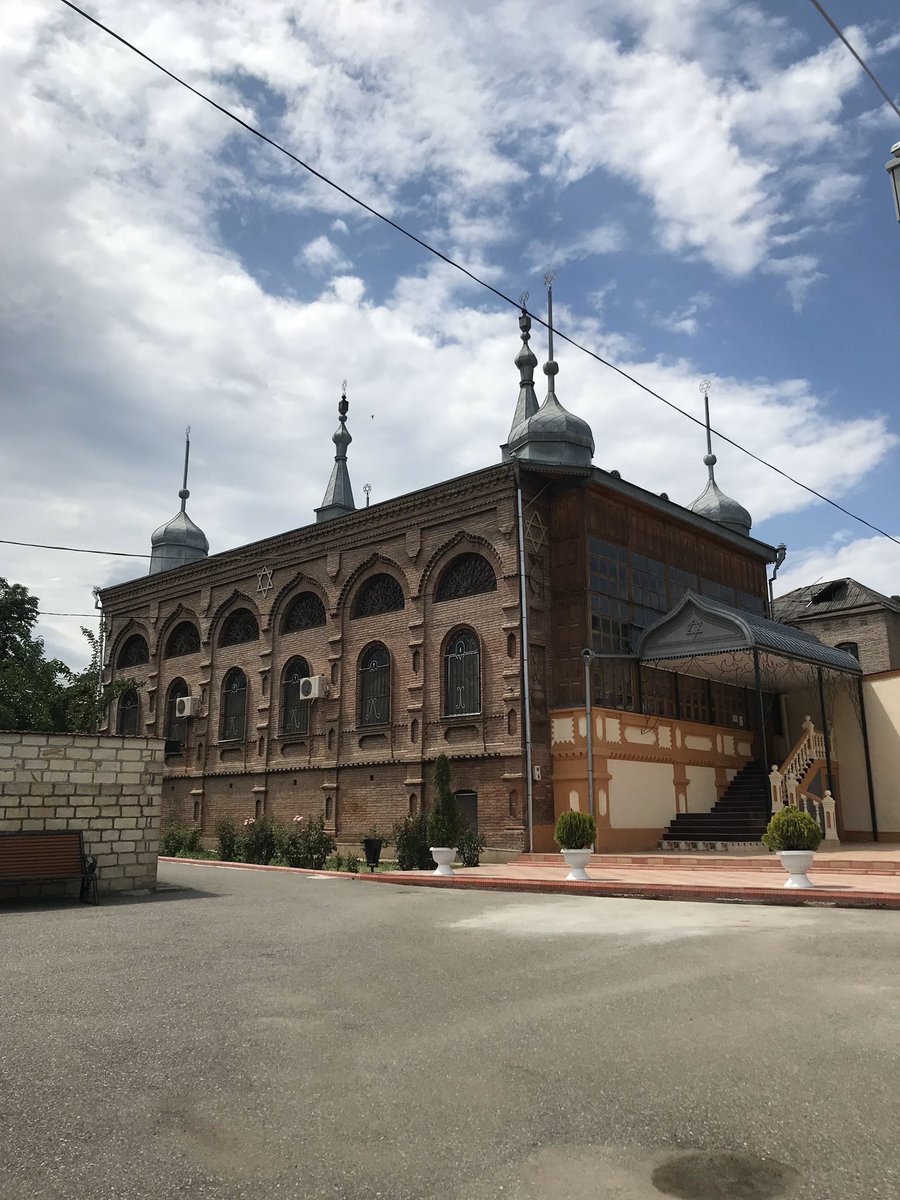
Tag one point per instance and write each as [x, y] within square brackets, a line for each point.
[892, 166]
[588, 656]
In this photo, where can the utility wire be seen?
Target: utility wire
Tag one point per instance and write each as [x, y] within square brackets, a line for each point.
[464, 270]
[92, 616]
[71, 549]
[840, 33]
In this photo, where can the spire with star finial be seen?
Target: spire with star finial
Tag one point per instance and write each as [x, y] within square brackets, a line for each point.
[713, 503]
[179, 541]
[526, 362]
[338, 498]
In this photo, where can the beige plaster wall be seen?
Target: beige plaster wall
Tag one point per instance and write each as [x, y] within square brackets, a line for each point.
[702, 793]
[107, 787]
[641, 795]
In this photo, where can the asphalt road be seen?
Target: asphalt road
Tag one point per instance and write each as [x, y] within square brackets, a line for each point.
[268, 1035]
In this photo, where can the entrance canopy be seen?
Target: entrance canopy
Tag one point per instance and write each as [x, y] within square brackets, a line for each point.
[705, 637]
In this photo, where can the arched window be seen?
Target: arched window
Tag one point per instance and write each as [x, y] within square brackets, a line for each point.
[294, 709]
[176, 727]
[306, 612]
[462, 674]
[380, 594]
[466, 575]
[233, 723]
[375, 686]
[240, 626]
[129, 714]
[184, 639]
[133, 653]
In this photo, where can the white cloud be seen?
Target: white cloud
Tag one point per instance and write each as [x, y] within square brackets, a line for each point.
[604, 239]
[872, 561]
[321, 254]
[339, 225]
[685, 320]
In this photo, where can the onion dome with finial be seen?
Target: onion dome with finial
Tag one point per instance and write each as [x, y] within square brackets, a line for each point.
[180, 541]
[338, 499]
[712, 503]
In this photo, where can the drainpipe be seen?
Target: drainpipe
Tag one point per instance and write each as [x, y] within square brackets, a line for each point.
[588, 656]
[101, 636]
[523, 607]
[827, 736]
[762, 726]
[780, 556]
[865, 737]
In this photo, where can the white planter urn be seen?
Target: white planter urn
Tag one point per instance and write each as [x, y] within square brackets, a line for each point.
[797, 863]
[576, 861]
[443, 856]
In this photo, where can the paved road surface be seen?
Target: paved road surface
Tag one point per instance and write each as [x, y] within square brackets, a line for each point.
[267, 1035]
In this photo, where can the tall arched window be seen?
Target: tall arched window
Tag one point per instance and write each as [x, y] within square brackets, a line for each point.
[240, 626]
[184, 639]
[294, 709]
[466, 575]
[462, 674]
[305, 612]
[380, 594]
[375, 686]
[176, 727]
[129, 714]
[233, 723]
[134, 652]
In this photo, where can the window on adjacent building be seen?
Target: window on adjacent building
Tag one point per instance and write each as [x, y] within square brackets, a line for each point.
[306, 611]
[233, 722]
[850, 648]
[294, 709]
[375, 686]
[462, 674]
[466, 575]
[184, 639]
[240, 626]
[379, 594]
[129, 713]
[176, 727]
[134, 652]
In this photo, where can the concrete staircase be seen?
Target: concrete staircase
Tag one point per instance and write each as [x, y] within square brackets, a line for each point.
[738, 818]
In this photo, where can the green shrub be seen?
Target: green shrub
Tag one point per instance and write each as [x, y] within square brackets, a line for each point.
[575, 830]
[353, 864]
[792, 829]
[178, 840]
[258, 843]
[228, 839]
[469, 848]
[305, 843]
[444, 825]
[334, 863]
[411, 839]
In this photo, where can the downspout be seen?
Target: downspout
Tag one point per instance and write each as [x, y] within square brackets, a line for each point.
[780, 556]
[526, 708]
[761, 709]
[865, 736]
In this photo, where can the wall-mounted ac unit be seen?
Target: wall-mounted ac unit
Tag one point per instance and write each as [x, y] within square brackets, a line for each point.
[313, 688]
[187, 706]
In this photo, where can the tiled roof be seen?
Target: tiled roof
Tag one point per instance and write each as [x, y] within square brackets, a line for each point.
[829, 596]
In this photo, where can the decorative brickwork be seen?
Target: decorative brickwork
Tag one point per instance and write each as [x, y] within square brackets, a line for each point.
[107, 787]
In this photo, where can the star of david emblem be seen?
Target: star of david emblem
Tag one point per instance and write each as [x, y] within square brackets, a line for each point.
[694, 629]
[534, 532]
[265, 581]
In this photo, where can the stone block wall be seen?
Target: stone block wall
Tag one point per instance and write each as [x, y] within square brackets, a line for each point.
[107, 787]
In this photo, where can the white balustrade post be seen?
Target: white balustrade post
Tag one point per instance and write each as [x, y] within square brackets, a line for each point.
[831, 833]
[775, 781]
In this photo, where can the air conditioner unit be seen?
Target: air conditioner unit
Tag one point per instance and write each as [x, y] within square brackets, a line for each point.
[187, 706]
[313, 688]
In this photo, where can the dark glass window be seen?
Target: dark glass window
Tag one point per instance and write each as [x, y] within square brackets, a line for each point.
[294, 709]
[240, 626]
[466, 575]
[306, 612]
[693, 696]
[609, 569]
[375, 686]
[233, 723]
[176, 727]
[648, 583]
[658, 692]
[129, 714]
[133, 653]
[610, 625]
[380, 594]
[850, 647]
[462, 675]
[717, 591]
[613, 683]
[680, 582]
[184, 639]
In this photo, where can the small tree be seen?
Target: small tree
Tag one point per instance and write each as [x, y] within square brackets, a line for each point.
[443, 819]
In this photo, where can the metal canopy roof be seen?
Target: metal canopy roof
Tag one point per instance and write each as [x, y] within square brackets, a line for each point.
[698, 627]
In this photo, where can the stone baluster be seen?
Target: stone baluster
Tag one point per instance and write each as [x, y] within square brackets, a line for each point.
[831, 834]
[776, 780]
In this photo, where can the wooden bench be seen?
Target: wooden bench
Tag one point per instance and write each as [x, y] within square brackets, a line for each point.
[48, 857]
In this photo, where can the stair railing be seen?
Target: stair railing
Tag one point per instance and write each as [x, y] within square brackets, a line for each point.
[786, 783]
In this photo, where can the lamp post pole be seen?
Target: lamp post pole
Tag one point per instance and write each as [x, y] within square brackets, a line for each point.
[588, 656]
[892, 166]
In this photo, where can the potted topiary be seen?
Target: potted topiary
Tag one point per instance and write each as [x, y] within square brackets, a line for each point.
[795, 836]
[443, 819]
[574, 834]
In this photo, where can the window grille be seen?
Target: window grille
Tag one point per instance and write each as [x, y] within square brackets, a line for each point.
[306, 612]
[380, 594]
[466, 575]
[294, 710]
[234, 706]
[176, 727]
[462, 675]
[184, 639]
[129, 713]
[375, 687]
[134, 653]
[240, 626]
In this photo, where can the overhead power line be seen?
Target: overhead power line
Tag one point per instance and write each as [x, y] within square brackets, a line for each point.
[868, 70]
[258, 133]
[71, 549]
[92, 616]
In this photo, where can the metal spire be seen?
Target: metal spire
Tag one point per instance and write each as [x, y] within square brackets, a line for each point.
[338, 498]
[527, 404]
[184, 493]
[713, 503]
[551, 367]
[709, 458]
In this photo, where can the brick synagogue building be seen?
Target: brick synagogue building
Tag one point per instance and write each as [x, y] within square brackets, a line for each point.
[323, 670]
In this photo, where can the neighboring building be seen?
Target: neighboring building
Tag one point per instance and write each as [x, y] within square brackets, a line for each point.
[846, 614]
[323, 670]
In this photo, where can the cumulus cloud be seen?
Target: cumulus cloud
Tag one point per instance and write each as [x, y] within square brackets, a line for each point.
[321, 254]
[872, 561]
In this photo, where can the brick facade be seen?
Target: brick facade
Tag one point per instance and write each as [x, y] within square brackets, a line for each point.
[107, 787]
[875, 631]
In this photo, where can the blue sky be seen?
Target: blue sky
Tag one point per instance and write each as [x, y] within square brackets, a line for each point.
[706, 179]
